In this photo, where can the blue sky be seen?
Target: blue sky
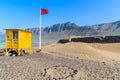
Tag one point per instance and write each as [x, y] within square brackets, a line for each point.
[25, 13]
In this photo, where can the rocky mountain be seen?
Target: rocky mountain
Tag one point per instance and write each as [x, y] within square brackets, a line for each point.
[61, 30]
[66, 29]
[112, 28]
[57, 31]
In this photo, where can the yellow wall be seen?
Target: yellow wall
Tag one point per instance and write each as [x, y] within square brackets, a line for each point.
[24, 39]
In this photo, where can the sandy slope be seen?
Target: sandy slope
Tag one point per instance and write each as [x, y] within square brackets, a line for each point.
[93, 51]
[83, 63]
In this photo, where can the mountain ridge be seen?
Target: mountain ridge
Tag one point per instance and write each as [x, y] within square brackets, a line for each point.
[61, 30]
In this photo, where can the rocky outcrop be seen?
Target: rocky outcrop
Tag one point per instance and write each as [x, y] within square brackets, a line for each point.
[98, 39]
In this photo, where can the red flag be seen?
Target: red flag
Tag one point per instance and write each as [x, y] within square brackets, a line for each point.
[43, 11]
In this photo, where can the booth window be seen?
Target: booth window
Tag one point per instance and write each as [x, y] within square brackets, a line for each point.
[15, 34]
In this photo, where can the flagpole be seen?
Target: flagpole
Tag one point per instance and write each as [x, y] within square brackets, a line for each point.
[40, 30]
[42, 11]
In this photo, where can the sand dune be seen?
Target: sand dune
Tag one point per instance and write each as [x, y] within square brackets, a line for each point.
[93, 51]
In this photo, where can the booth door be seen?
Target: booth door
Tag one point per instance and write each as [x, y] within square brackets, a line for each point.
[14, 39]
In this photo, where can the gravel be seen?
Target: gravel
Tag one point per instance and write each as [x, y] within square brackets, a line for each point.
[45, 66]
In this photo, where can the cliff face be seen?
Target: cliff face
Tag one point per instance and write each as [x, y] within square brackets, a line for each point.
[58, 31]
[66, 29]
[112, 28]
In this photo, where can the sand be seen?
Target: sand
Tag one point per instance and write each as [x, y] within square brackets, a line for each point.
[92, 51]
[70, 61]
[43, 66]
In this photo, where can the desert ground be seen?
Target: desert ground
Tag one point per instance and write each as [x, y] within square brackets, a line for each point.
[69, 61]
[94, 51]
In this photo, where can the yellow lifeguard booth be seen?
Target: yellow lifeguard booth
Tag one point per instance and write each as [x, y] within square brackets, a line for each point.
[18, 41]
